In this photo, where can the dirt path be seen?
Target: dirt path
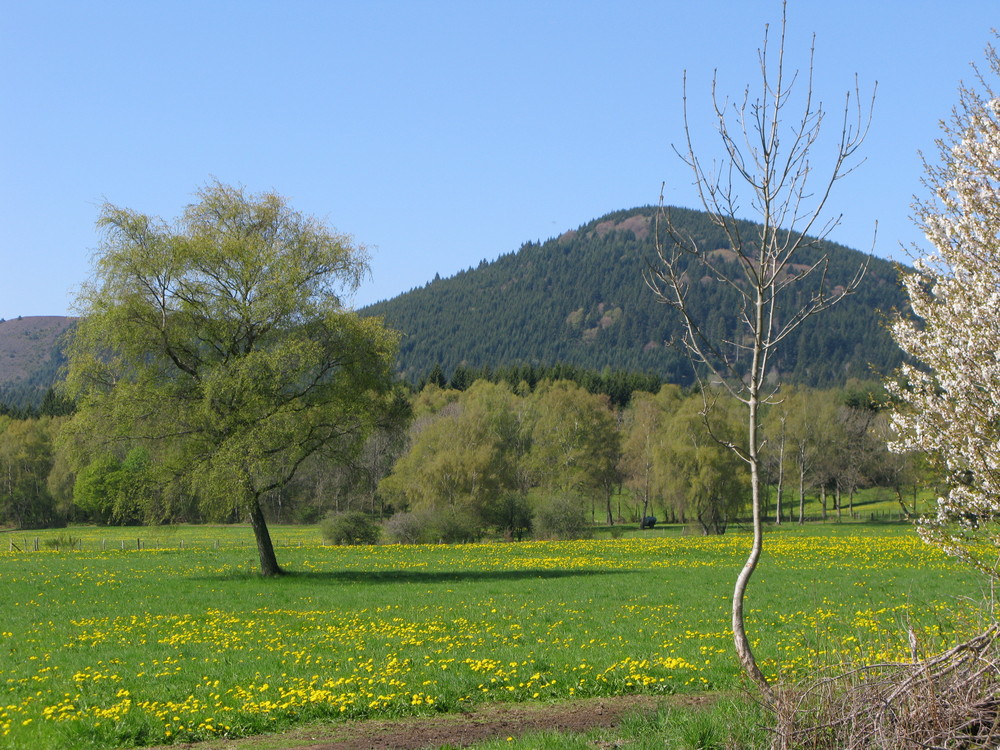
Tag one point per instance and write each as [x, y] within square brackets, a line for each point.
[454, 730]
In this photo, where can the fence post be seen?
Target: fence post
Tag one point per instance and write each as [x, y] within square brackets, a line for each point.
[36, 544]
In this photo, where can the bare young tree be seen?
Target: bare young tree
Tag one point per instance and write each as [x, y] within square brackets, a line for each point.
[775, 268]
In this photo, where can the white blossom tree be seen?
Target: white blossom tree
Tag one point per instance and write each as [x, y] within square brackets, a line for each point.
[948, 399]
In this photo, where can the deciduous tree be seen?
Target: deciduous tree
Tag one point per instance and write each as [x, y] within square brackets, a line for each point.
[948, 401]
[704, 481]
[576, 445]
[645, 429]
[775, 269]
[221, 343]
[465, 458]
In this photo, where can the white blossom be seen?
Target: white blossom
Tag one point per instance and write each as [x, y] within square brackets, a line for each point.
[948, 400]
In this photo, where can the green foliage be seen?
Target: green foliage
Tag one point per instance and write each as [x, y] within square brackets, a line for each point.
[561, 516]
[353, 527]
[463, 458]
[97, 486]
[26, 460]
[221, 345]
[118, 492]
[575, 442]
[580, 300]
[705, 481]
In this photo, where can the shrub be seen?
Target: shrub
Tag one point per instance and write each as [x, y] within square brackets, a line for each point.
[404, 528]
[432, 527]
[455, 526]
[353, 527]
[561, 517]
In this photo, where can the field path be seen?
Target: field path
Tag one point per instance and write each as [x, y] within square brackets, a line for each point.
[457, 729]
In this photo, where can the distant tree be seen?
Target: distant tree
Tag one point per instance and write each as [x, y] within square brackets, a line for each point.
[560, 516]
[379, 453]
[352, 527]
[464, 458]
[700, 479]
[775, 269]
[26, 459]
[809, 428]
[222, 345]
[96, 487]
[575, 444]
[645, 430]
[55, 404]
[436, 377]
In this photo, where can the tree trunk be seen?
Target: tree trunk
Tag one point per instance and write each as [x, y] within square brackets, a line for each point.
[802, 496]
[268, 562]
[740, 640]
[781, 475]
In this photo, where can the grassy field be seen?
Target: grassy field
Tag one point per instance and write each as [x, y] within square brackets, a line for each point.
[107, 647]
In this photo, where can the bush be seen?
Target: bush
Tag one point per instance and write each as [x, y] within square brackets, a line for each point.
[404, 528]
[353, 527]
[561, 517]
[432, 527]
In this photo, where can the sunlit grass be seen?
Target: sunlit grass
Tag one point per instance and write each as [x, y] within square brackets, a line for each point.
[104, 647]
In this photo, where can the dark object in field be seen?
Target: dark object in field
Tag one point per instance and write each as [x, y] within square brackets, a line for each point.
[648, 522]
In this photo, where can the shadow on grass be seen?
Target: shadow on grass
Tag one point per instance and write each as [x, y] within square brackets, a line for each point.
[407, 576]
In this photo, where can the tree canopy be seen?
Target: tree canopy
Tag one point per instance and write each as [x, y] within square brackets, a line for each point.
[948, 398]
[222, 343]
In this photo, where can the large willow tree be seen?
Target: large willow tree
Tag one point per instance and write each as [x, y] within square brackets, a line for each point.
[222, 342]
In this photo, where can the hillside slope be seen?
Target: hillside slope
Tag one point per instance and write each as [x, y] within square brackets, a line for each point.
[580, 299]
[30, 357]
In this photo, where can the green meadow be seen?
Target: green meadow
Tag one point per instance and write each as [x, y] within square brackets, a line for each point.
[153, 636]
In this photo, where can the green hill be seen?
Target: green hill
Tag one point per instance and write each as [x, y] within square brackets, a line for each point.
[30, 357]
[580, 299]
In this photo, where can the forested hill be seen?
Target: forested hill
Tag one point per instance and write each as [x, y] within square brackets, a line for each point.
[30, 357]
[581, 299]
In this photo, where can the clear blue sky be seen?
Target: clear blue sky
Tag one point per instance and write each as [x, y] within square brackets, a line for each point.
[436, 133]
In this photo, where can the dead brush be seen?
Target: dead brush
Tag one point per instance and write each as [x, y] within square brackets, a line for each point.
[951, 700]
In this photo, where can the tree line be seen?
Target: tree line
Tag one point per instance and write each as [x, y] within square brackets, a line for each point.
[545, 458]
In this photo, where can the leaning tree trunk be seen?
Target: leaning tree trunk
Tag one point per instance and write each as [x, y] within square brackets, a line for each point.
[740, 640]
[268, 562]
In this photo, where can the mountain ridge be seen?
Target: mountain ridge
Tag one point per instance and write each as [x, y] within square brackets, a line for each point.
[576, 299]
[579, 298]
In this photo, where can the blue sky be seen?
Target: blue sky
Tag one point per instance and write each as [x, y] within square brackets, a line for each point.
[436, 133]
